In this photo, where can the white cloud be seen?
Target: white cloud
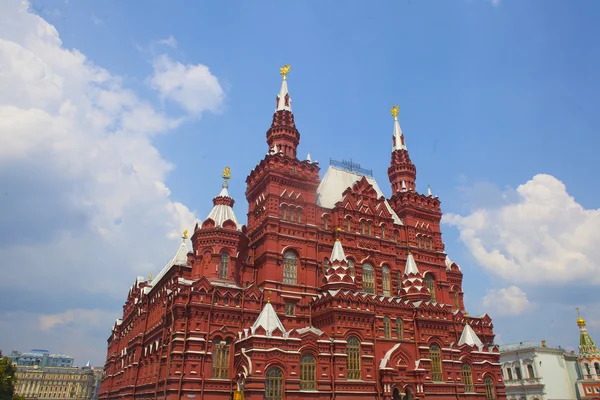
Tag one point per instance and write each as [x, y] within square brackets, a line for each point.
[170, 42]
[182, 85]
[506, 301]
[84, 207]
[541, 235]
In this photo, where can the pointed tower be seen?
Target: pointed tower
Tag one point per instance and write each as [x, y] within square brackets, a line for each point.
[283, 135]
[413, 288]
[469, 337]
[589, 362]
[338, 274]
[220, 245]
[402, 172]
[587, 347]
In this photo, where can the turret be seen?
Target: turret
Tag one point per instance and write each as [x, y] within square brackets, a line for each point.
[282, 136]
[401, 172]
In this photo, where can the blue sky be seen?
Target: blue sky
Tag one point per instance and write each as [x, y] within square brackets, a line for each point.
[494, 96]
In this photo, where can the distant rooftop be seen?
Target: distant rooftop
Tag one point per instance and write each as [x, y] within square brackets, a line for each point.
[526, 345]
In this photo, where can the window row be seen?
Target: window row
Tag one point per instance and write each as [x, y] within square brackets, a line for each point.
[517, 374]
[291, 214]
[366, 227]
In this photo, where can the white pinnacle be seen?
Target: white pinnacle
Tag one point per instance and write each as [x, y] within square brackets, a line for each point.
[429, 191]
[281, 98]
[308, 158]
[398, 137]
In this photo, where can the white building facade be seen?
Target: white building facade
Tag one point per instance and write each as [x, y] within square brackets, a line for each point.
[534, 371]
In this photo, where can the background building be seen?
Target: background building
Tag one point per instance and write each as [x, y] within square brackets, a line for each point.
[41, 358]
[36, 382]
[534, 371]
[330, 290]
[588, 386]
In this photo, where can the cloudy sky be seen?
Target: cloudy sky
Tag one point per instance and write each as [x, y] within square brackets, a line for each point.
[117, 118]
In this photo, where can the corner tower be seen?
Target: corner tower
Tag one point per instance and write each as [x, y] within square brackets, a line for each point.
[402, 172]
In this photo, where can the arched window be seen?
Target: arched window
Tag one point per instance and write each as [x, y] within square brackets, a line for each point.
[385, 274]
[353, 359]
[435, 355]
[456, 300]
[308, 369]
[530, 371]
[489, 388]
[363, 227]
[399, 328]
[518, 372]
[418, 241]
[409, 395]
[224, 266]
[351, 267]
[220, 359]
[284, 213]
[368, 278]
[396, 236]
[348, 224]
[467, 377]
[325, 221]
[274, 384]
[290, 262]
[369, 228]
[299, 216]
[387, 329]
[597, 367]
[509, 374]
[430, 283]
[383, 232]
[587, 369]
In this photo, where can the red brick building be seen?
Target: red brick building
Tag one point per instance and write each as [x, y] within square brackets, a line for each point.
[331, 290]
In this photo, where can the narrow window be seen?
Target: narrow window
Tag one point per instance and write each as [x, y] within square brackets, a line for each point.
[436, 363]
[348, 225]
[283, 213]
[597, 367]
[430, 283]
[456, 300]
[307, 372]
[290, 308]
[509, 374]
[299, 216]
[362, 227]
[289, 267]
[518, 372]
[467, 376]
[399, 278]
[274, 384]
[383, 232]
[387, 329]
[419, 241]
[489, 388]
[385, 273]
[325, 264]
[368, 278]
[351, 267]
[369, 227]
[224, 266]
[399, 329]
[396, 236]
[325, 222]
[530, 371]
[220, 359]
[353, 360]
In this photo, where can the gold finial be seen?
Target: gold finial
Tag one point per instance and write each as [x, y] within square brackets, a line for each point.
[283, 71]
[150, 277]
[580, 321]
[269, 297]
[227, 173]
[394, 111]
[185, 236]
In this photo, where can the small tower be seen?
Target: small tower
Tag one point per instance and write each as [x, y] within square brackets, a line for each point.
[413, 287]
[589, 362]
[401, 172]
[219, 245]
[283, 135]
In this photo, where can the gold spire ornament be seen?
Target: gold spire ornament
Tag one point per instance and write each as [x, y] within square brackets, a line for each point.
[227, 173]
[185, 235]
[283, 71]
[394, 111]
[150, 277]
[580, 321]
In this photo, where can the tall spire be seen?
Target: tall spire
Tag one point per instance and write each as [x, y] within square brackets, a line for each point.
[401, 172]
[398, 138]
[587, 347]
[283, 134]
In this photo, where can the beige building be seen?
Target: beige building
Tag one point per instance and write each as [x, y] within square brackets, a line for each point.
[35, 382]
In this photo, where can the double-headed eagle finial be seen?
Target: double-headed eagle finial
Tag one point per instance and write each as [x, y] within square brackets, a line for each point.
[227, 173]
[284, 71]
[394, 111]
